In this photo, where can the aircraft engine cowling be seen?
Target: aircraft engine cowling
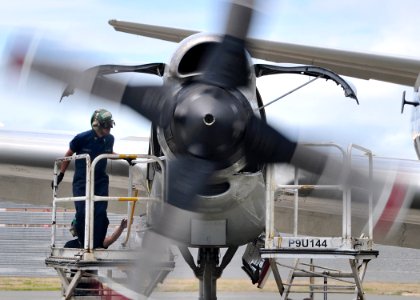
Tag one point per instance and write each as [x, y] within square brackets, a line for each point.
[208, 122]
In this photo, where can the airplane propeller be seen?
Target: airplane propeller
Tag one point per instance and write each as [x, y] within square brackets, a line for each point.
[209, 118]
[211, 121]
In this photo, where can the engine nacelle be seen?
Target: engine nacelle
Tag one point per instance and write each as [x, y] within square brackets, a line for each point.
[223, 143]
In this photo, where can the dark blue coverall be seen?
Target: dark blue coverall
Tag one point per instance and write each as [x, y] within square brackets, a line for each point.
[89, 143]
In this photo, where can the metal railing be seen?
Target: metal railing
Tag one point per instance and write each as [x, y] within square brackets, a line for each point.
[358, 251]
[90, 196]
[270, 242]
[369, 154]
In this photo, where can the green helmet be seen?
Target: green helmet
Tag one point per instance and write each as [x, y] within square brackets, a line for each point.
[102, 118]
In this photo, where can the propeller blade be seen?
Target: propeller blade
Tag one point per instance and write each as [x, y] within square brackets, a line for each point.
[227, 65]
[240, 17]
[264, 144]
[187, 177]
[153, 102]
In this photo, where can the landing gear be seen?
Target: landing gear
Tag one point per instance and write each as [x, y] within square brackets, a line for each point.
[208, 259]
[208, 269]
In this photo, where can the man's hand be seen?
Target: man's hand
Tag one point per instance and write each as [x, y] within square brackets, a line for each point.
[59, 179]
[123, 224]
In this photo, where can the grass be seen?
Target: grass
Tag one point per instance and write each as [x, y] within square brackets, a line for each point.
[191, 285]
[30, 284]
[236, 285]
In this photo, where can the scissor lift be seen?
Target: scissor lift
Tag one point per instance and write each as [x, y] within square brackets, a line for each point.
[102, 273]
[324, 280]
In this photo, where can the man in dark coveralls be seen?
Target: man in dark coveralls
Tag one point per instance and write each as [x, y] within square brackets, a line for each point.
[94, 142]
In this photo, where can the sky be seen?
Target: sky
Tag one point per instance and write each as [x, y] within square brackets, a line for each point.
[318, 112]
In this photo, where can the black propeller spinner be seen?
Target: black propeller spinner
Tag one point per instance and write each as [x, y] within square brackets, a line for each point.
[209, 122]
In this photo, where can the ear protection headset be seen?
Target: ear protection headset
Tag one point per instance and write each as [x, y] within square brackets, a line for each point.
[93, 120]
[102, 118]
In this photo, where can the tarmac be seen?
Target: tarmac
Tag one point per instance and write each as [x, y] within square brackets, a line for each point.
[43, 295]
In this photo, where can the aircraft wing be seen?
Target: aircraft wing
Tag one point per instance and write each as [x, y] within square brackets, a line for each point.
[28, 157]
[396, 70]
[156, 32]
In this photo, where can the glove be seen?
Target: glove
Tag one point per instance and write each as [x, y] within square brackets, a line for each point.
[59, 179]
[123, 224]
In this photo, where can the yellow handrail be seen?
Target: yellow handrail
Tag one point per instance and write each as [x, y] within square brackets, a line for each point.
[130, 221]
